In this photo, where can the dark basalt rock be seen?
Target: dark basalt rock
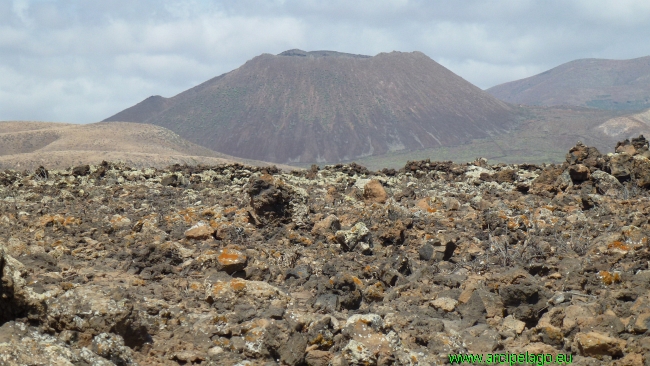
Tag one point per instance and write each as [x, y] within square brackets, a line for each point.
[223, 264]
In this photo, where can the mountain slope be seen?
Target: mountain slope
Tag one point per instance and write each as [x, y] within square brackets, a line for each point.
[327, 106]
[626, 126]
[27, 145]
[596, 83]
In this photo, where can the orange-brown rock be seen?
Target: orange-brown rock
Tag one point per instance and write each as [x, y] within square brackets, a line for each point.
[326, 227]
[231, 260]
[595, 344]
[200, 231]
[373, 191]
[579, 172]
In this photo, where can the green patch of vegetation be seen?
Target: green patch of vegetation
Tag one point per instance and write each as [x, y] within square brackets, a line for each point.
[630, 105]
[512, 148]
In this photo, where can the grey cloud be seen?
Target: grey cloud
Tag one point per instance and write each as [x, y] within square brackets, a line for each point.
[81, 61]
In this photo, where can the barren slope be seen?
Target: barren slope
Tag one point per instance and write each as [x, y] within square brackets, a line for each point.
[27, 145]
[596, 83]
[543, 135]
[327, 107]
[626, 126]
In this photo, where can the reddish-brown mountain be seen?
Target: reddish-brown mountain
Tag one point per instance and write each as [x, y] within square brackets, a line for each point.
[326, 106]
[596, 83]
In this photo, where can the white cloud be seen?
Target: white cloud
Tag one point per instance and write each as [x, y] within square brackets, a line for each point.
[20, 9]
[83, 61]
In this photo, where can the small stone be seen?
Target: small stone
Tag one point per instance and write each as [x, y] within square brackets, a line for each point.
[452, 204]
[120, 222]
[627, 149]
[642, 323]
[231, 260]
[445, 303]
[318, 358]
[579, 173]
[466, 295]
[111, 347]
[293, 352]
[606, 184]
[187, 356]
[326, 226]
[426, 252]
[357, 353]
[630, 359]
[81, 170]
[373, 191]
[512, 324]
[374, 292]
[594, 344]
[215, 351]
[480, 339]
[492, 302]
[621, 166]
[349, 238]
[327, 303]
[364, 248]
[200, 231]
[437, 249]
[170, 180]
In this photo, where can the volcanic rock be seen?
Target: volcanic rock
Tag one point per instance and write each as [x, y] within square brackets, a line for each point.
[350, 238]
[374, 192]
[596, 344]
[606, 184]
[200, 231]
[579, 173]
[243, 264]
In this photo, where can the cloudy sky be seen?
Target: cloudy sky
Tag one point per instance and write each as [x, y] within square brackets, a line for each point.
[81, 61]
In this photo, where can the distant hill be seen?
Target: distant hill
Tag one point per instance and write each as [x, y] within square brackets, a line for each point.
[626, 126]
[620, 85]
[326, 106]
[26, 145]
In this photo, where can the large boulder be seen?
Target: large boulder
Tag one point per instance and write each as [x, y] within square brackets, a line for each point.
[606, 184]
[621, 166]
[269, 197]
[16, 299]
[585, 155]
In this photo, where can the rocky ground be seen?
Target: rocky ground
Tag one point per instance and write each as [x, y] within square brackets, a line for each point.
[234, 265]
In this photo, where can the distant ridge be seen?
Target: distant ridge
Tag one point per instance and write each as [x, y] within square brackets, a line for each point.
[153, 105]
[620, 85]
[327, 106]
[26, 145]
[301, 53]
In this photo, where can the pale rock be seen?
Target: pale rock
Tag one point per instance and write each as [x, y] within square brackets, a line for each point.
[511, 324]
[595, 344]
[200, 231]
[357, 353]
[445, 303]
[350, 238]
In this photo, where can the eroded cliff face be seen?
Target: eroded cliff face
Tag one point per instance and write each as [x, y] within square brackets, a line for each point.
[337, 266]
